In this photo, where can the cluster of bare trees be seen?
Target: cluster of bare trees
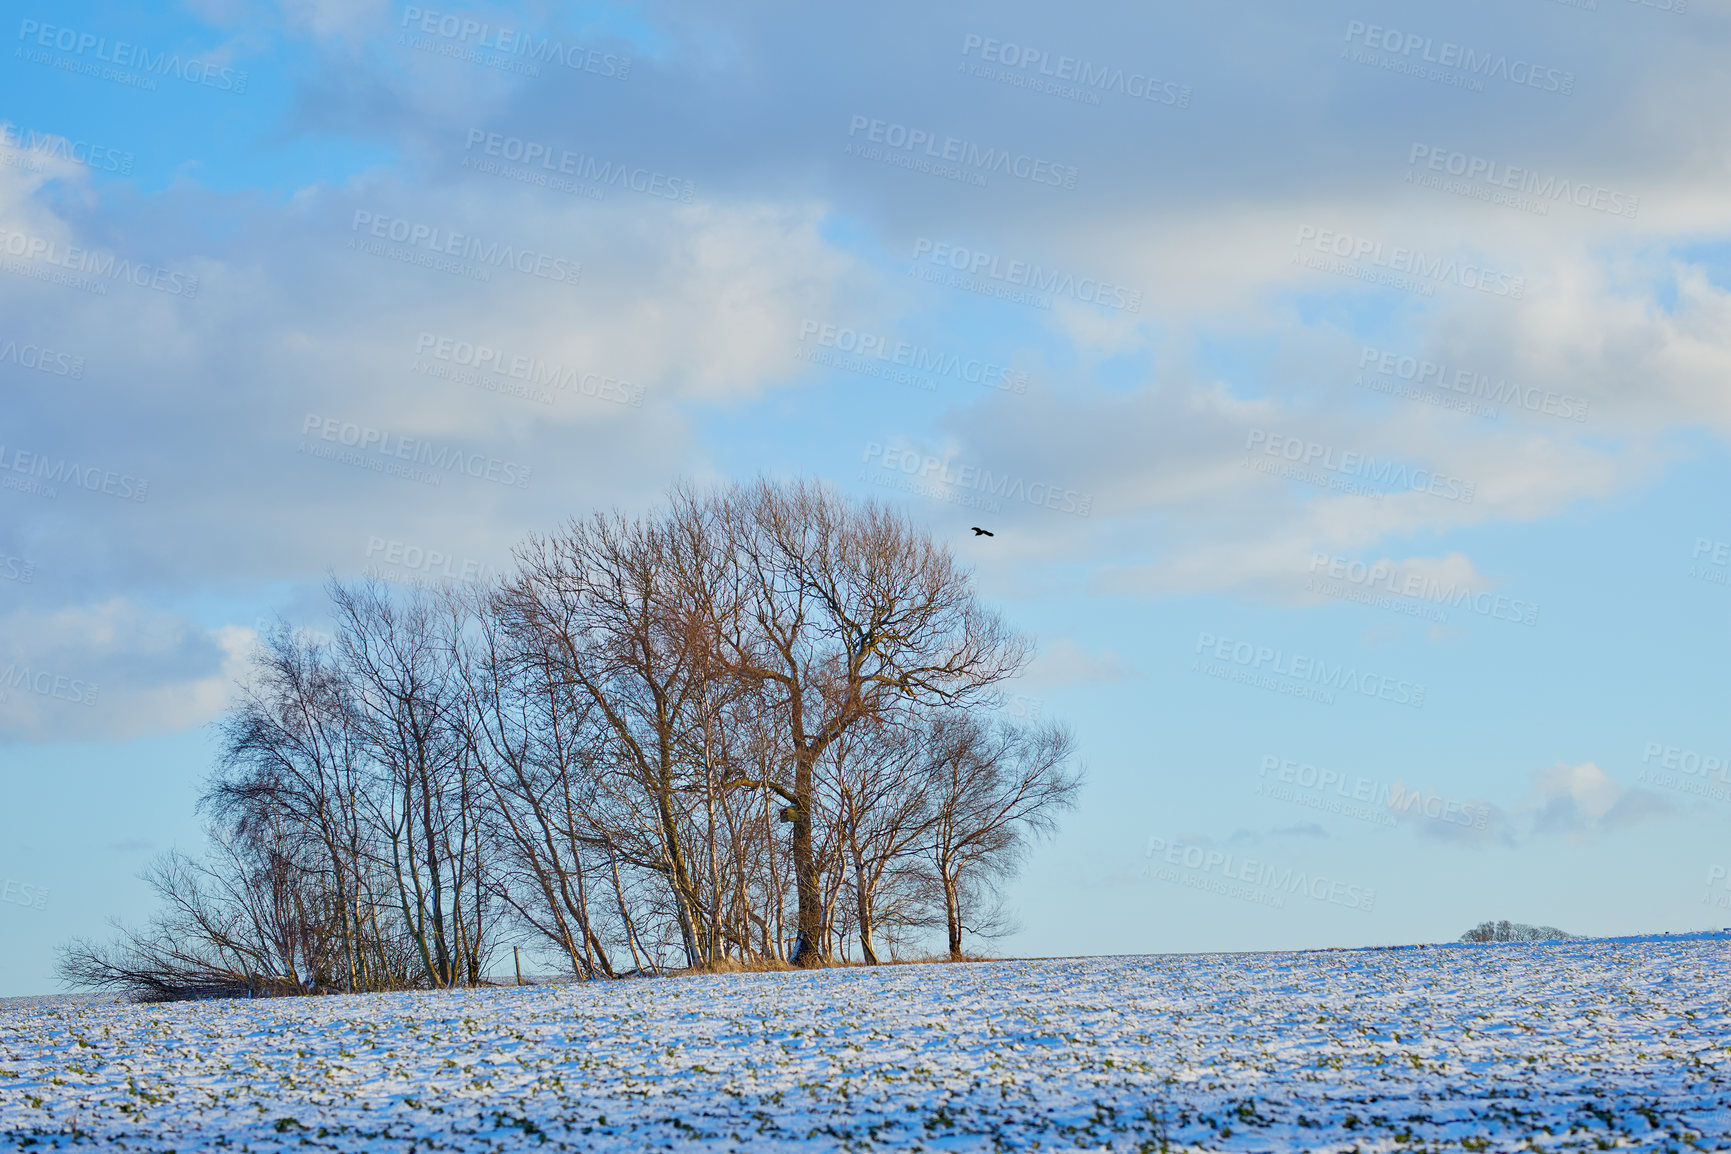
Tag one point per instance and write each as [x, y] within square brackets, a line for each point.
[757, 725]
[1505, 931]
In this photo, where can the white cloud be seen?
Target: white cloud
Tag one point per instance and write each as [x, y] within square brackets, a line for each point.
[112, 671]
[206, 398]
[1583, 799]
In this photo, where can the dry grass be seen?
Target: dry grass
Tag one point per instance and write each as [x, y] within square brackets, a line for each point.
[735, 966]
[777, 966]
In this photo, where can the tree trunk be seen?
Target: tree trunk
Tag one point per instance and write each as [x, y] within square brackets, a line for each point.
[625, 916]
[865, 926]
[441, 948]
[808, 949]
[953, 916]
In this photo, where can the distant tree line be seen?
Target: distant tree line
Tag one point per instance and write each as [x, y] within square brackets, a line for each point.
[758, 725]
[1506, 931]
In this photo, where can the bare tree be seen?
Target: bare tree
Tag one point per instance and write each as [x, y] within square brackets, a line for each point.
[536, 754]
[603, 602]
[410, 710]
[878, 801]
[243, 922]
[848, 613]
[291, 761]
[993, 788]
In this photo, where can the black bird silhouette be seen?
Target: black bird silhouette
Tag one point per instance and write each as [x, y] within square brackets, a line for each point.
[979, 532]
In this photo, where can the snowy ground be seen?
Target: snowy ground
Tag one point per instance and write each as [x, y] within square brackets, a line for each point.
[1559, 1046]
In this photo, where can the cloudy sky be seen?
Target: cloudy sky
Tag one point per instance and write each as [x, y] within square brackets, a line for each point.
[1348, 387]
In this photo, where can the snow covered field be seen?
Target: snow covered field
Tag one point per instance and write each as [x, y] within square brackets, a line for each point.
[1570, 1045]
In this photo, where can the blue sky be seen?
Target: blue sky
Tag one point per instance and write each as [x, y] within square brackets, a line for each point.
[1192, 473]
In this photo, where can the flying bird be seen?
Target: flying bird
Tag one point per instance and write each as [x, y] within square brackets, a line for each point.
[979, 532]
